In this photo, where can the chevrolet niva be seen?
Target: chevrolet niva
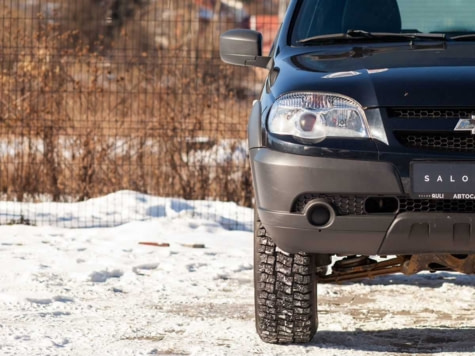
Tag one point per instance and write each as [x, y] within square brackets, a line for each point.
[362, 149]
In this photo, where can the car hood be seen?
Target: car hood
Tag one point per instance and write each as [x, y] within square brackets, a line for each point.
[380, 76]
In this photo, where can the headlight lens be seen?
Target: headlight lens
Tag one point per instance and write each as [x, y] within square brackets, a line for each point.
[311, 117]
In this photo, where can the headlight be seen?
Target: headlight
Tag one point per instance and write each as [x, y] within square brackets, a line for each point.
[311, 117]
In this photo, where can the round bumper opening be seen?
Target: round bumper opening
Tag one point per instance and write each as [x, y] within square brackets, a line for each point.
[320, 214]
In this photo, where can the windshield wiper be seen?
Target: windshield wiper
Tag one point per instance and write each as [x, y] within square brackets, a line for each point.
[360, 52]
[365, 35]
[468, 37]
[394, 35]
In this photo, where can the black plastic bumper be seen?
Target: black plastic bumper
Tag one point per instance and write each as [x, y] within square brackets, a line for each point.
[279, 178]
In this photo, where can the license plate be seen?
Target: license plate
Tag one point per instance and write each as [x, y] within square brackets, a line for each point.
[443, 180]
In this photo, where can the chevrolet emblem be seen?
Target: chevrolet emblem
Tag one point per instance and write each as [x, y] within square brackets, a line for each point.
[466, 125]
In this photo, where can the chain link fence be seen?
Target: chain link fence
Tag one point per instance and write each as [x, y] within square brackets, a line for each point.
[100, 96]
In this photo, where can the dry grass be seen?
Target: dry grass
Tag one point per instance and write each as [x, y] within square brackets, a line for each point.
[84, 112]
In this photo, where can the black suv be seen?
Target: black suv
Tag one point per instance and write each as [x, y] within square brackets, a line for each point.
[362, 146]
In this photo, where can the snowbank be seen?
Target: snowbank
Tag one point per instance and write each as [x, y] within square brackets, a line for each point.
[142, 287]
[122, 207]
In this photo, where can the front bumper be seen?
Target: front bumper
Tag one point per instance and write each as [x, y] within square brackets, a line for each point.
[280, 178]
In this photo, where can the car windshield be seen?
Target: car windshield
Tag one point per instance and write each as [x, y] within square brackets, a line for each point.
[319, 18]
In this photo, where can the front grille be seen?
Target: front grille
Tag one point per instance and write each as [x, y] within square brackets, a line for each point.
[355, 204]
[437, 141]
[436, 206]
[441, 113]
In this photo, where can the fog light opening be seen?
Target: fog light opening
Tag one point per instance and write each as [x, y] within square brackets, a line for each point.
[320, 214]
[375, 205]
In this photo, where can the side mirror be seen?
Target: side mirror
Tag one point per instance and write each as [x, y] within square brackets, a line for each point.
[243, 48]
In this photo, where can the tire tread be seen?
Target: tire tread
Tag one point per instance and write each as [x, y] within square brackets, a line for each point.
[285, 292]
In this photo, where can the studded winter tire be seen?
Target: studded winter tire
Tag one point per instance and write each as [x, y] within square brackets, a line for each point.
[285, 292]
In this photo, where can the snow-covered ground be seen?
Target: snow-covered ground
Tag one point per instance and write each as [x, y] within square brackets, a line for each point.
[98, 290]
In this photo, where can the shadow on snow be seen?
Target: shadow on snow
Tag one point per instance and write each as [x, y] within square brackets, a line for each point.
[409, 340]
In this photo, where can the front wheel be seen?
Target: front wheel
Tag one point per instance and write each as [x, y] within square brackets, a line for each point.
[285, 292]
